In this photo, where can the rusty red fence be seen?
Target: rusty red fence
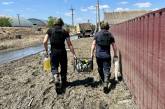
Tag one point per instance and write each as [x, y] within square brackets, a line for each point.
[141, 42]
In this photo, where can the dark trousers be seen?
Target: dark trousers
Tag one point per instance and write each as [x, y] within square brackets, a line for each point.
[59, 57]
[104, 65]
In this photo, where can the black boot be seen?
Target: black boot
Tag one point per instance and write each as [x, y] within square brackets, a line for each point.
[106, 84]
[65, 83]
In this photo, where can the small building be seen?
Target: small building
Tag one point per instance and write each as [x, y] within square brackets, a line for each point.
[84, 29]
[21, 22]
[37, 22]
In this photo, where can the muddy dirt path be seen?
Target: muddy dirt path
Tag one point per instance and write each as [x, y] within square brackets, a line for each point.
[24, 85]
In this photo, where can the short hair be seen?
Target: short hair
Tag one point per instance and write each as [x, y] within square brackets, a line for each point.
[58, 21]
[104, 25]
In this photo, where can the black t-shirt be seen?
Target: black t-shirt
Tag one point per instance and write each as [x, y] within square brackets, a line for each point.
[103, 51]
[61, 41]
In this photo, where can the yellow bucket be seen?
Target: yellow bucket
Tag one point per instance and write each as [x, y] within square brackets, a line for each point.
[46, 65]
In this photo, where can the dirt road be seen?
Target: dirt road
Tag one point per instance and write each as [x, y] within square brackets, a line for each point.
[24, 85]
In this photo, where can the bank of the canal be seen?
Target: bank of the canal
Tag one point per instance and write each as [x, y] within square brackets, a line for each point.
[24, 85]
[8, 56]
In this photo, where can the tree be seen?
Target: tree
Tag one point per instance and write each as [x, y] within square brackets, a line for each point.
[5, 22]
[51, 20]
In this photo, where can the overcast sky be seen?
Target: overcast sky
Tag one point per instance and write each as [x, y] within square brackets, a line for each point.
[84, 9]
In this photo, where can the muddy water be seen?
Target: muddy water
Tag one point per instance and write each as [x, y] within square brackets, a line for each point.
[6, 57]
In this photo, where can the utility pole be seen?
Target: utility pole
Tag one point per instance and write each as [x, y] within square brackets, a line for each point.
[72, 10]
[18, 15]
[96, 28]
[98, 11]
[104, 10]
[88, 21]
[96, 16]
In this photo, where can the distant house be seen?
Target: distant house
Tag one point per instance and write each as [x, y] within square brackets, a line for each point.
[118, 17]
[21, 22]
[84, 29]
[37, 22]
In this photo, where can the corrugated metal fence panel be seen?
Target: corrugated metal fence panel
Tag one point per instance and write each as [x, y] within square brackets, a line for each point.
[135, 57]
[125, 58]
[137, 77]
[129, 57]
[142, 45]
[150, 60]
[156, 47]
[138, 60]
[145, 64]
[162, 64]
[141, 53]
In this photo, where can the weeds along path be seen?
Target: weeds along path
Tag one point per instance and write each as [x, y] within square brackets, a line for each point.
[24, 85]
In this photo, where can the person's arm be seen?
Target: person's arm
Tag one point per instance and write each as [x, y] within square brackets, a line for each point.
[69, 43]
[45, 42]
[114, 49]
[93, 48]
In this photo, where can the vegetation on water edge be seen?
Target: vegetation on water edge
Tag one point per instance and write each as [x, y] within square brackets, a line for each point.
[5, 22]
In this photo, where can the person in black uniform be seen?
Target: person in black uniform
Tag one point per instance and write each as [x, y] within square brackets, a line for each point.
[57, 36]
[102, 41]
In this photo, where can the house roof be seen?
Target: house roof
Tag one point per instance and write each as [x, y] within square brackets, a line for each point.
[37, 22]
[118, 17]
[85, 26]
[22, 22]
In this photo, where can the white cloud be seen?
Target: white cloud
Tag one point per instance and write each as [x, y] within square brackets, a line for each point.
[84, 10]
[155, 9]
[65, 1]
[29, 9]
[143, 4]
[68, 14]
[7, 3]
[123, 2]
[79, 20]
[9, 10]
[122, 9]
[93, 8]
[1, 15]
[104, 6]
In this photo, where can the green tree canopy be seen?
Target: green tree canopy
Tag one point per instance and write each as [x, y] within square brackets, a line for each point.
[5, 22]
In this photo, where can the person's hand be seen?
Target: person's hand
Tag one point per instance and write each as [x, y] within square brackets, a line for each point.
[46, 55]
[46, 52]
[75, 57]
[115, 58]
[92, 56]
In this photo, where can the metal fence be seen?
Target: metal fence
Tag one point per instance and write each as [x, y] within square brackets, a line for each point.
[141, 42]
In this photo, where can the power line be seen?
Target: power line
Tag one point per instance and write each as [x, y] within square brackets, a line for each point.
[72, 10]
[96, 28]
[98, 12]
[97, 16]
[88, 21]
[18, 15]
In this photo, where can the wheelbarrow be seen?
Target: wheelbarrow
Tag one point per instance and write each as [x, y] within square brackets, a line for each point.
[83, 65]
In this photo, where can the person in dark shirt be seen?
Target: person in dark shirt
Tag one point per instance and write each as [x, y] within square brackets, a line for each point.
[57, 36]
[102, 41]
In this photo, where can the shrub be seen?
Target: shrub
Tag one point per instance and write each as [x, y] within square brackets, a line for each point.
[5, 22]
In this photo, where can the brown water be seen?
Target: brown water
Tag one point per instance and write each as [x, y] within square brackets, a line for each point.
[7, 57]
